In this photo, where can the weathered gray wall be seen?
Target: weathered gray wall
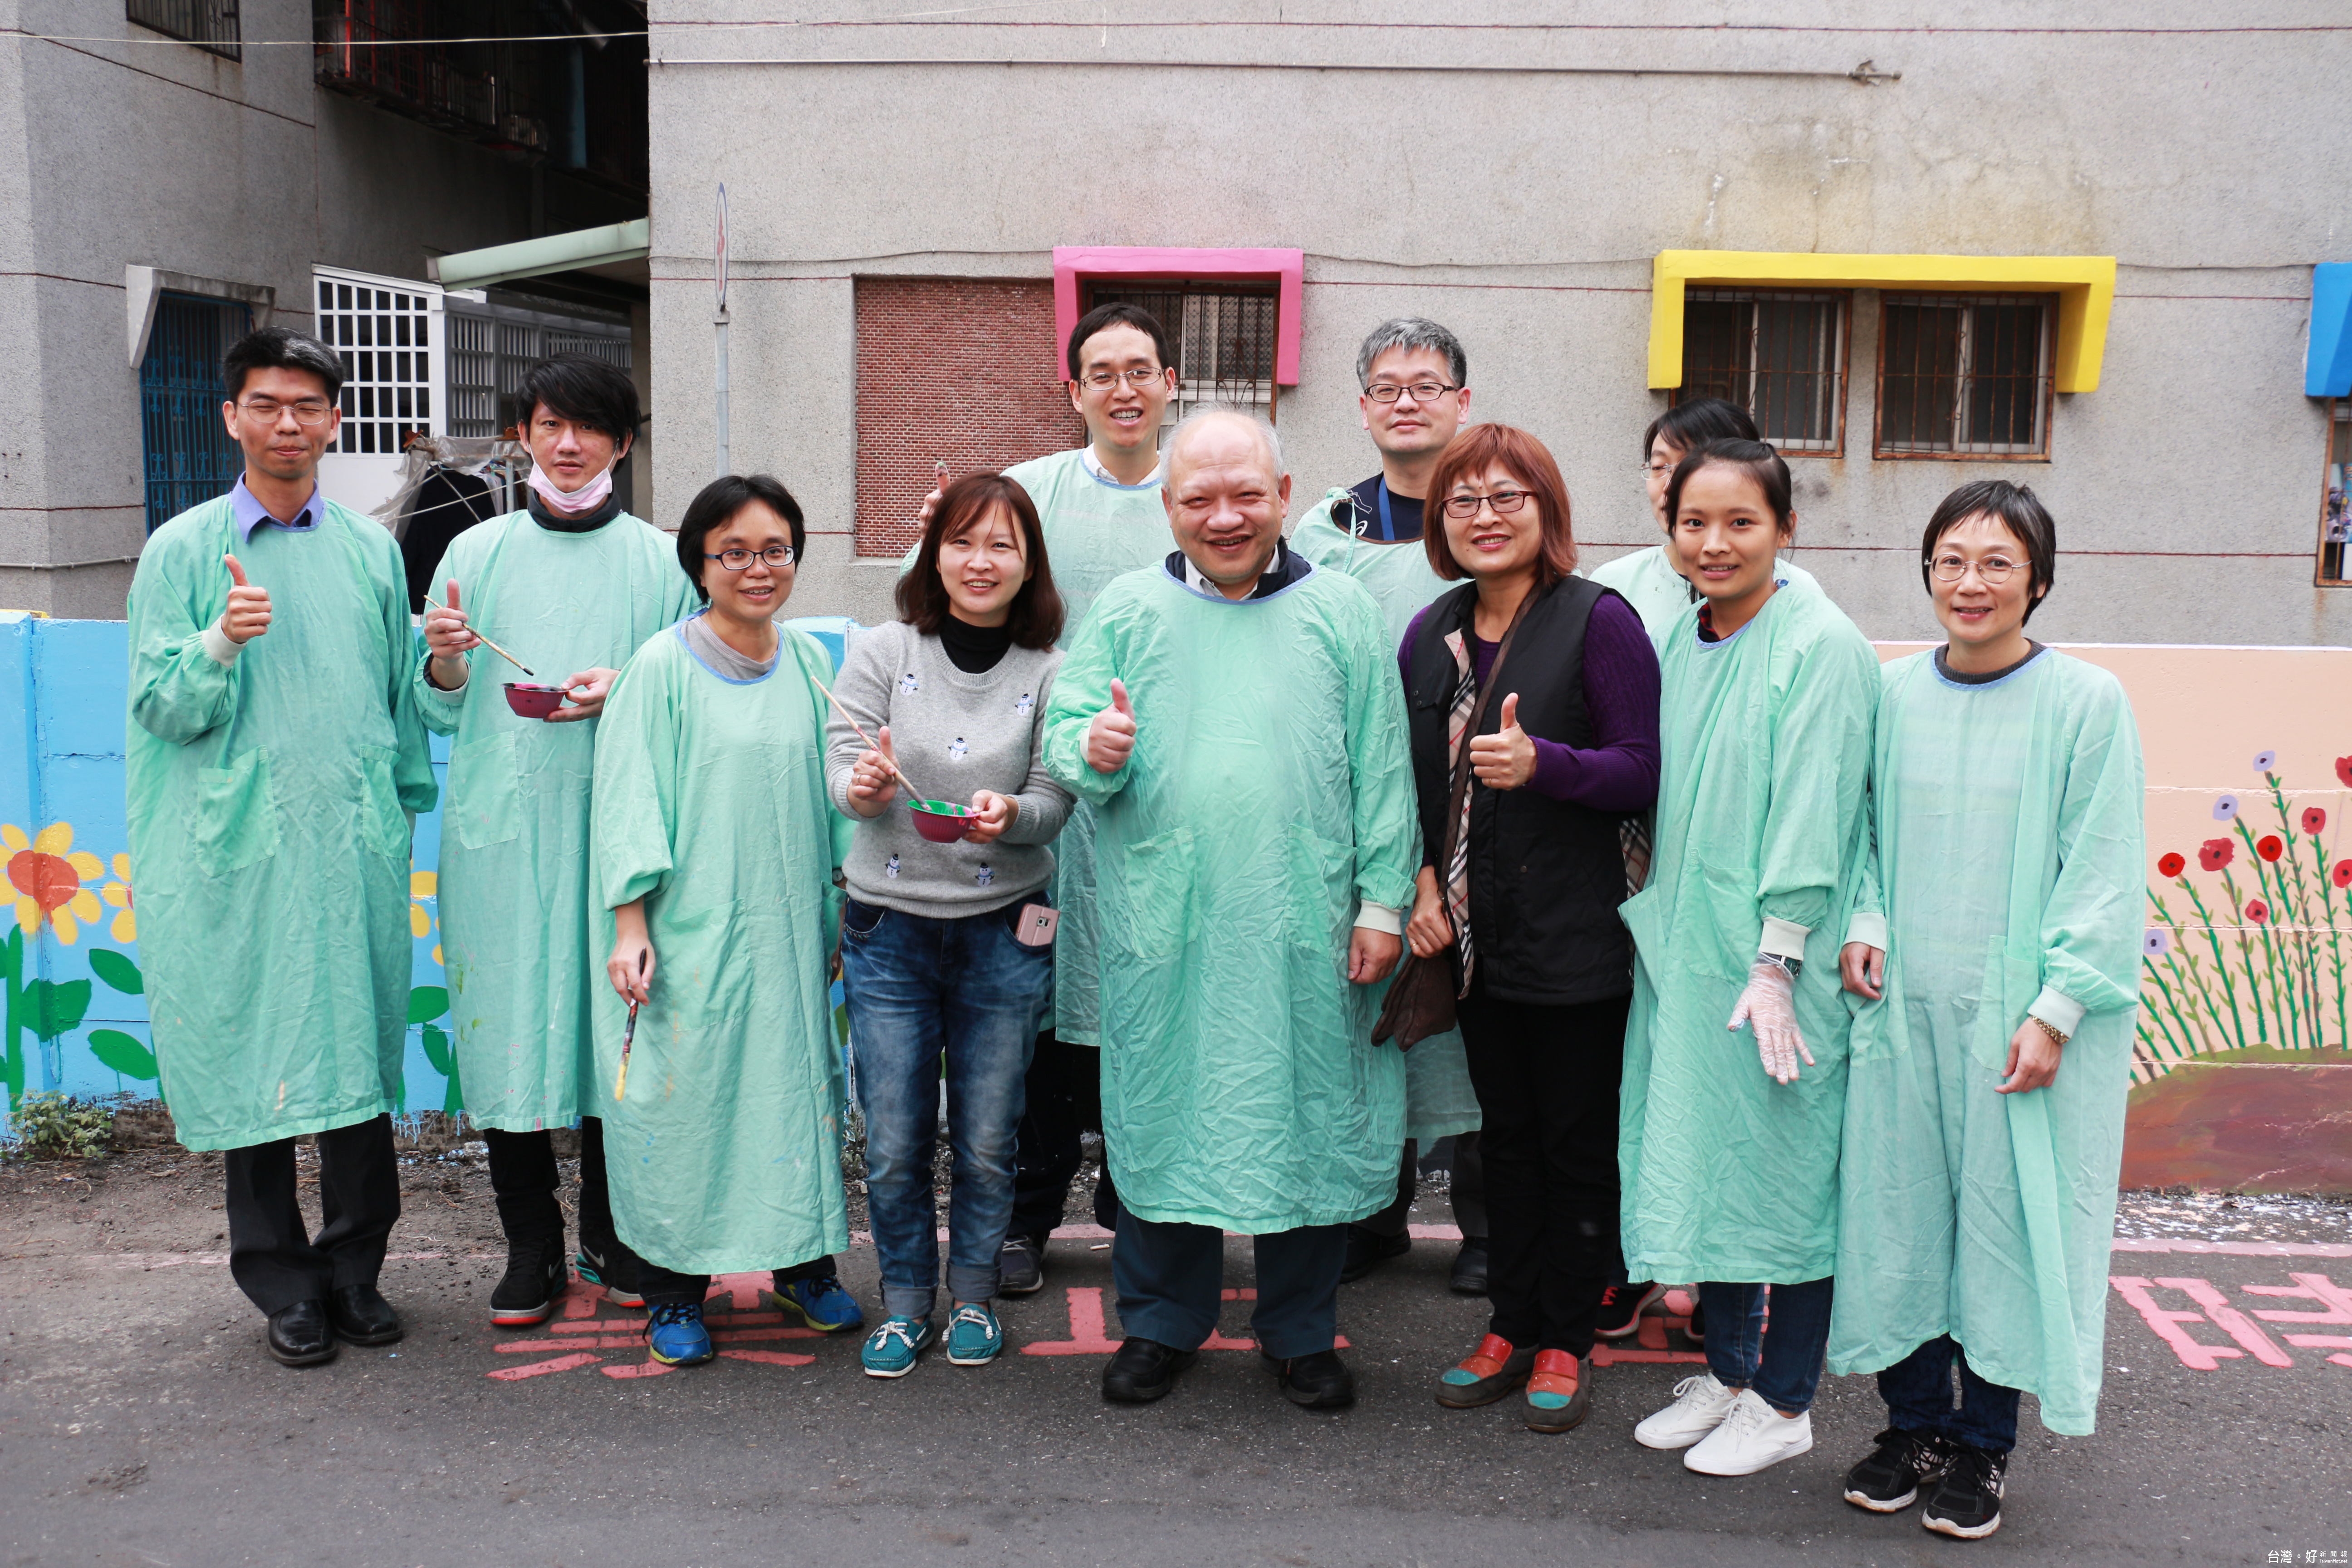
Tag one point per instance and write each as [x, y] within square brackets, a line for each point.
[1524, 211]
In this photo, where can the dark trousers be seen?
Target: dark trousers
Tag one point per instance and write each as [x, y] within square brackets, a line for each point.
[1918, 1394]
[1063, 1101]
[665, 1288]
[1468, 1186]
[1547, 1081]
[1172, 1277]
[272, 1255]
[524, 1180]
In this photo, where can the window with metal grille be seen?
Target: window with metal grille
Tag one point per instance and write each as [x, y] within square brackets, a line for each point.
[210, 25]
[1780, 356]
[2336, 500]
[1224, 337]
[1964, 375]
[385, 339]
[188, 455]
[489, 352]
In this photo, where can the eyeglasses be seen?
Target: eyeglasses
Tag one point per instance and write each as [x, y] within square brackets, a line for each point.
[1656, 470]
[1505, 502]
[1422, 391]
[741, 560]
[310, 412]
[1994, 570]
[1104, 380]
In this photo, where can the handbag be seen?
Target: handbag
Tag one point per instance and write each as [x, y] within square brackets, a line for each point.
[1422, 996]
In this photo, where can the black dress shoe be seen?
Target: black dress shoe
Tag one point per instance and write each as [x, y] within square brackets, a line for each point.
[1317, 1381]
[1141, 1370]
[1367, 1250]
[362, 1317]
[299, 1335]
[1470, 1266]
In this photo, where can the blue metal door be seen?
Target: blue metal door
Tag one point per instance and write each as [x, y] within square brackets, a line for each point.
[189, 458]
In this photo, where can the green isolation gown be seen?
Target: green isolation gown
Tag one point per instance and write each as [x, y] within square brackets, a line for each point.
[1269, 792]
[1438, 1098]
[1764, 756]
[516, 936]
[269, 802]
[2010, 874]
[725, 1154]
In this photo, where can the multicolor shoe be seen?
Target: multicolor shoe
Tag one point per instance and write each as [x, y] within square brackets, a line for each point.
[1621, 1305]
[620, 1289]
[892, 1350]
[1560, 1392]
[821, 1303]
[1487, 1374]
[974, 1336]
[676, 1337]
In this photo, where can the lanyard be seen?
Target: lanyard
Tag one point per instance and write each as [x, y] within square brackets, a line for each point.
[1387, 523]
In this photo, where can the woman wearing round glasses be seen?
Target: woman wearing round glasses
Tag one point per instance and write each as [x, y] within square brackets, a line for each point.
[1533, 707]
[1997, 946]
[714, 848]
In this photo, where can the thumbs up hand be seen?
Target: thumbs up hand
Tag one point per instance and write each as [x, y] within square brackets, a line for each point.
[247, 615]
[1111, 738]
[1506, 759]
[872, 783]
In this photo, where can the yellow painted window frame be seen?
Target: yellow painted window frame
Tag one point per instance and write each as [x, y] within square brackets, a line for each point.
[2085, 287]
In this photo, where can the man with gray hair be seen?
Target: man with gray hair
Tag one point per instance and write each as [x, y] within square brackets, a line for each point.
[1234, 715]
[1415, 395]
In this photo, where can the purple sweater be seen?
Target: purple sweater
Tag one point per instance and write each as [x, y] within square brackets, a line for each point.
[1621, 693]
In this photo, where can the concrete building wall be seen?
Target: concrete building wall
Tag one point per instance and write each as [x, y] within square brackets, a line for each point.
[1524, 209]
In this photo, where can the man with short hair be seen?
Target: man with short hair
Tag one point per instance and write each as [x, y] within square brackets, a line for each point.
[1416, 394]
[1234, 716]
[275, 765]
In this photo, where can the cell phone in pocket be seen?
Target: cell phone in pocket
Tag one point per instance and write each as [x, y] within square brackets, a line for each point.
[1035, 926]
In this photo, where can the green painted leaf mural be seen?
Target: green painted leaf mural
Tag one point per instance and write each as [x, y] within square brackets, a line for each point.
[426, 1002]
[117, 970]
[124, 1054]
[57, 1008]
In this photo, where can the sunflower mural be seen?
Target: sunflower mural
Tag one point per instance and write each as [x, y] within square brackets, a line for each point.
[47, 873]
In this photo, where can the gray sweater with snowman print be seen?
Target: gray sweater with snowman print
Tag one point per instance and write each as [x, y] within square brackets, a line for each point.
[954, 733]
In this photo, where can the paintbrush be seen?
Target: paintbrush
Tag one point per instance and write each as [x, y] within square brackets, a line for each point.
[488, 642]
[628, 1036]
[870, 746]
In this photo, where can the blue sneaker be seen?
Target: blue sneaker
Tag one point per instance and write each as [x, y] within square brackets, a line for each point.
[821, 1303]
[973, 1337]
[676, 1336]
[890, 1349]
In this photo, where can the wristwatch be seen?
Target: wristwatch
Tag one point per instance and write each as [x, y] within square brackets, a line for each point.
[1792, 967]
[2057, 1036]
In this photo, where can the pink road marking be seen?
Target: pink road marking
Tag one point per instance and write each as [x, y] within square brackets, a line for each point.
[1650, 1333]
[541, 1368]
[1085, 1327]
[647, 1368]
[580, 1300]
[2237, 1248]
[2313, 1288]
[744, 1289]
[2230, 1320]
[2166, 1325]
[1681, 1303]
[1612, 1355]
[771, 1358]
[608, 1343]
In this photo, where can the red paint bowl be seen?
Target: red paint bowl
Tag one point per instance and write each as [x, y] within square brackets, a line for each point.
[938, 821]
[533, 701]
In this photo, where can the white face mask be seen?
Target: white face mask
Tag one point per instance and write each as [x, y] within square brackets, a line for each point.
[581, 502]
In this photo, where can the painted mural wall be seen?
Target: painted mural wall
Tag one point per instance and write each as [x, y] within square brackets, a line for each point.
[2249, 926]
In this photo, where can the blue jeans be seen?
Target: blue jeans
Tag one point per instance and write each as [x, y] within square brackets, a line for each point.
[1784, 1365]
[1918, 1394]
[921, 989]
[1171, 1278]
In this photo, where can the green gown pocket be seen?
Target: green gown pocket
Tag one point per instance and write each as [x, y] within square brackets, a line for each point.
[1156, 876]
[484, 799]
[236, 814]
[1321, 873]
[384, 824]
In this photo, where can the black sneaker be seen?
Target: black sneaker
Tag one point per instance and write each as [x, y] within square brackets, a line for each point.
[1367, 1249]
[1966, 1503]
[534, 1281]
[614, 1268]
[1141, 1370]
[1470, 1268]
[1019, 1266]
[1889, 1480]
[1620, 1308]
[1316, 1381]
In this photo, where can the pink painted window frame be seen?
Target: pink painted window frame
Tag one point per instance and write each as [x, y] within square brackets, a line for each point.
[1141, 263]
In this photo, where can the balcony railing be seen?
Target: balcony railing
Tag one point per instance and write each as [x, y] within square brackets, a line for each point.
[209, 24]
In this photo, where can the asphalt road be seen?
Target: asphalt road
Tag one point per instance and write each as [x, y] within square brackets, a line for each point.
[140, 1423]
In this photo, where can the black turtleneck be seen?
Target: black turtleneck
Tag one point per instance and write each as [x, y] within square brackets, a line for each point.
[554, 521]
[975, 650]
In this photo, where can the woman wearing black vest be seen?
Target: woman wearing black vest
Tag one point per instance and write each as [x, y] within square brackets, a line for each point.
[1562, 685]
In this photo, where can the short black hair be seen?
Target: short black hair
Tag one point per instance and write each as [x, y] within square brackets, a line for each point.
[583, 389]
[1692, 424]
[922, 596]
[280, 347]
[721, 499]
[2017, 508]
[1756, 460]
[1118, 313]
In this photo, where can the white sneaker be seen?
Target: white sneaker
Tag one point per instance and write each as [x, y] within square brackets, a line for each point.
[1700, 1405]
[1754, 1436]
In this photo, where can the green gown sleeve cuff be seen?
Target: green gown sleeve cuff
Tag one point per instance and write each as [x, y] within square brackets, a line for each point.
[1785, 939]
[2058, 1010]
[222, 647]
[1380, 917]
[1868, 927]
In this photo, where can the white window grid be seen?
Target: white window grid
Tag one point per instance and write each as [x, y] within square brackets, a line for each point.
[386, 331]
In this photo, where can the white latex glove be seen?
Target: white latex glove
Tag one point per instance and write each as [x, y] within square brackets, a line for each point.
[1768, 1005]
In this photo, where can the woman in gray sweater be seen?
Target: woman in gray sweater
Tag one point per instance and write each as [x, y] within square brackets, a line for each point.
[947, 947]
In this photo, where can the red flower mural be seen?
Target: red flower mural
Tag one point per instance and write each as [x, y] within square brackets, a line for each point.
[2170, 865]
[2343, 771]
[2215, 853]
[2270, 847]
[2342, 875]
[2314, 820]
[2257, 910]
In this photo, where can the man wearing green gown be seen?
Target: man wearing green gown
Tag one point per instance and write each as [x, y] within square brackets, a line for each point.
[573, 585]
[1416, 394]
[1996, 950]
[275, 765]
[1234, 715]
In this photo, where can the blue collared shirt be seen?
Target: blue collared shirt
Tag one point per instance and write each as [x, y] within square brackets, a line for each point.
[251, 514]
